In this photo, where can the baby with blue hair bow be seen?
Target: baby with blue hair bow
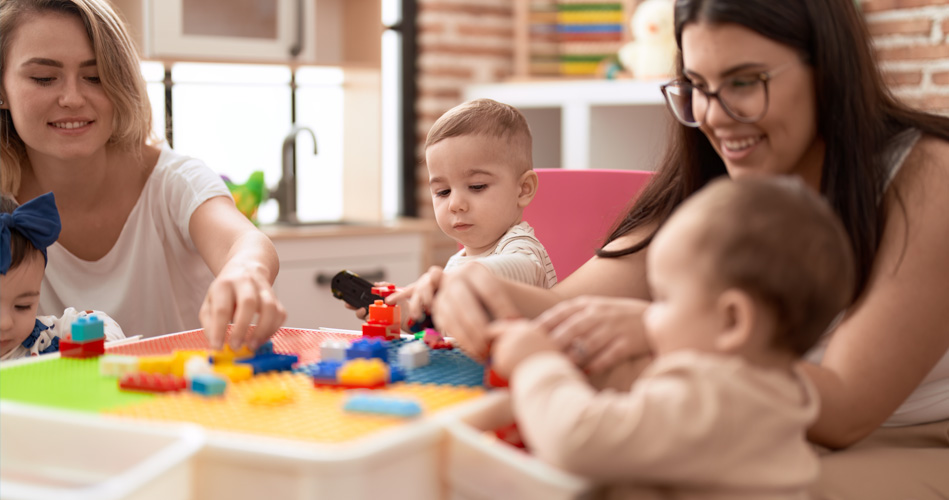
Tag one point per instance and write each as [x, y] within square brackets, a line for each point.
[25, 233]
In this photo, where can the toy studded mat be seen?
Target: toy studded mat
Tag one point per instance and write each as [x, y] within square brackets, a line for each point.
[280, 404]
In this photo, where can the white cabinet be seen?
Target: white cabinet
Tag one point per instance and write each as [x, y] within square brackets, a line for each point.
[611, 124]
[253, 29]
[328, 32]
[308, 264]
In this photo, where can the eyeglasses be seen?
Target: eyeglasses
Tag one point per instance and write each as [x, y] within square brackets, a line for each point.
[744, 98]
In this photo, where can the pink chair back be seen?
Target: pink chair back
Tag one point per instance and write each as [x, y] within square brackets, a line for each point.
[574, 209]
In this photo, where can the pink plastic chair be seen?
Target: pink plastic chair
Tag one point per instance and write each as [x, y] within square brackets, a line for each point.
[574, 209]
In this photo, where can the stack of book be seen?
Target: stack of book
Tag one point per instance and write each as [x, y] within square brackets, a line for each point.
[588, 32]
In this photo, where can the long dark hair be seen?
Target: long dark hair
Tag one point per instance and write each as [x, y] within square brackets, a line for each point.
[856, 114]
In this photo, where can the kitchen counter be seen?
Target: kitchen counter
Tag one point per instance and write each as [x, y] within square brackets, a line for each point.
[330, 230]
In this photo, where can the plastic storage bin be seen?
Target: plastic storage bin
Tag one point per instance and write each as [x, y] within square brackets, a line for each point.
[64, 455]
[481, 467]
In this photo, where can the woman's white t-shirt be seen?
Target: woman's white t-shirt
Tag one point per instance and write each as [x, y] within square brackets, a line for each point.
[153, 280]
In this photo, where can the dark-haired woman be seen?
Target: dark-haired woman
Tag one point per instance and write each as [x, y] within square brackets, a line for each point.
[788, 88]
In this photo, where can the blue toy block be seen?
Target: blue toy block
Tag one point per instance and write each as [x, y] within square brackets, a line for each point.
[208, 384]
[398, 407]
[265, 349]
[368, 348]
[269, 363]
[325, 370]
[396, 374]
[87, 329]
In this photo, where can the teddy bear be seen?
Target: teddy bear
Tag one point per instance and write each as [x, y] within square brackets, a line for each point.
[652, 52]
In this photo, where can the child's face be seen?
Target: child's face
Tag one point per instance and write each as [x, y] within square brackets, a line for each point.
[475, 190]
[19, 298]
[684, 313]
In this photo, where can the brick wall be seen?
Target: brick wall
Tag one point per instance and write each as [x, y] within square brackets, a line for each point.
[470, 41]
[912, 42]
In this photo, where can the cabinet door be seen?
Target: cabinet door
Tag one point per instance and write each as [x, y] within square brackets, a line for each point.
[230, 29]
[307, 266]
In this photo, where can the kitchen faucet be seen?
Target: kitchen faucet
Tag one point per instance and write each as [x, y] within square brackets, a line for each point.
[286, 191]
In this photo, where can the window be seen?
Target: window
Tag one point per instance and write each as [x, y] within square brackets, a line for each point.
[234, 117]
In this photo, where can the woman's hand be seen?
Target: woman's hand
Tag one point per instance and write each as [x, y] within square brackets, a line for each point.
[597, 332]
[514, 341]
[241, 293]
[468, 299]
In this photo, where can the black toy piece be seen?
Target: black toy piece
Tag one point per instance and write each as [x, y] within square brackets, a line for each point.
[355, 291]
[424, 322]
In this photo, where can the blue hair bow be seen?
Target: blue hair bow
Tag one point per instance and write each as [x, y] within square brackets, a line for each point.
[37, 220]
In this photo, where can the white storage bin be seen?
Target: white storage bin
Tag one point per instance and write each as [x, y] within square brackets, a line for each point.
[64, 455]
[397, 463]
[481, 467]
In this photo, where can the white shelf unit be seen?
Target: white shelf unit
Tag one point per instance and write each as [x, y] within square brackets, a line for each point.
[579, 124]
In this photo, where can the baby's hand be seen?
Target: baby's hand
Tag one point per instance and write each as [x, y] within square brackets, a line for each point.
[416, 299]
[514, 341]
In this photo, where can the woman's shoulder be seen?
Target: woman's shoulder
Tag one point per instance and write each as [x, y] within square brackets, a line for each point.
[925, 168]
[633, 237]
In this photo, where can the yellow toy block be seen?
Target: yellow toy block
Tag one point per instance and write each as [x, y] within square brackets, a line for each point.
[270, 394]
[234, 372]
[228, 355]
[179, 358]
[363, 371]
[156, 364]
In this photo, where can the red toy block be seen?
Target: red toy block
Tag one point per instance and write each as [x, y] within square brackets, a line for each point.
[333, 384]
[492, 379]
[80, 350]
[383, 289]
[510, 435]
[152, 382]
[373, 330]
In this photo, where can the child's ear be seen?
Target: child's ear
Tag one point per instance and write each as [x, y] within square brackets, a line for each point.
[738, 320]
[528, 188]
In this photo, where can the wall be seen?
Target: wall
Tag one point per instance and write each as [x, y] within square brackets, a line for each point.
[912, 42]
[470, 41]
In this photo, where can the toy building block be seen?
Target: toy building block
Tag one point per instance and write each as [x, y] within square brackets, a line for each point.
[366, 372]
[208, 384]
[114, 365]
[333, 349]
[264, 349]
[383, 289]
[413, 355]
[152, 382]
[381, 313]
[179, 358]
[89, 349]
[197, 365]
[87, 329]
[273, 362]
[228, 355]
[381, 405]
[368, 348]
[156, 364]
[492, 379]
[396, 374]
[234, 372]
[270, 395]
[378, 331]
[325, 370]
[510, 435]
[420, 324]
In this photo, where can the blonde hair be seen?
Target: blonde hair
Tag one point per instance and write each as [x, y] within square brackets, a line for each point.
[489, 118]
[776, 239]
[119, 72]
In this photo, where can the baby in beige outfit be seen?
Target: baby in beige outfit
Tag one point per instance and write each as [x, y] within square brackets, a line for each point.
[744, 277]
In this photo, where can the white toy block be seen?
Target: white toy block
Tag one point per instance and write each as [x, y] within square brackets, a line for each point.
[413, 355]
[113, 365]
[333, 350]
